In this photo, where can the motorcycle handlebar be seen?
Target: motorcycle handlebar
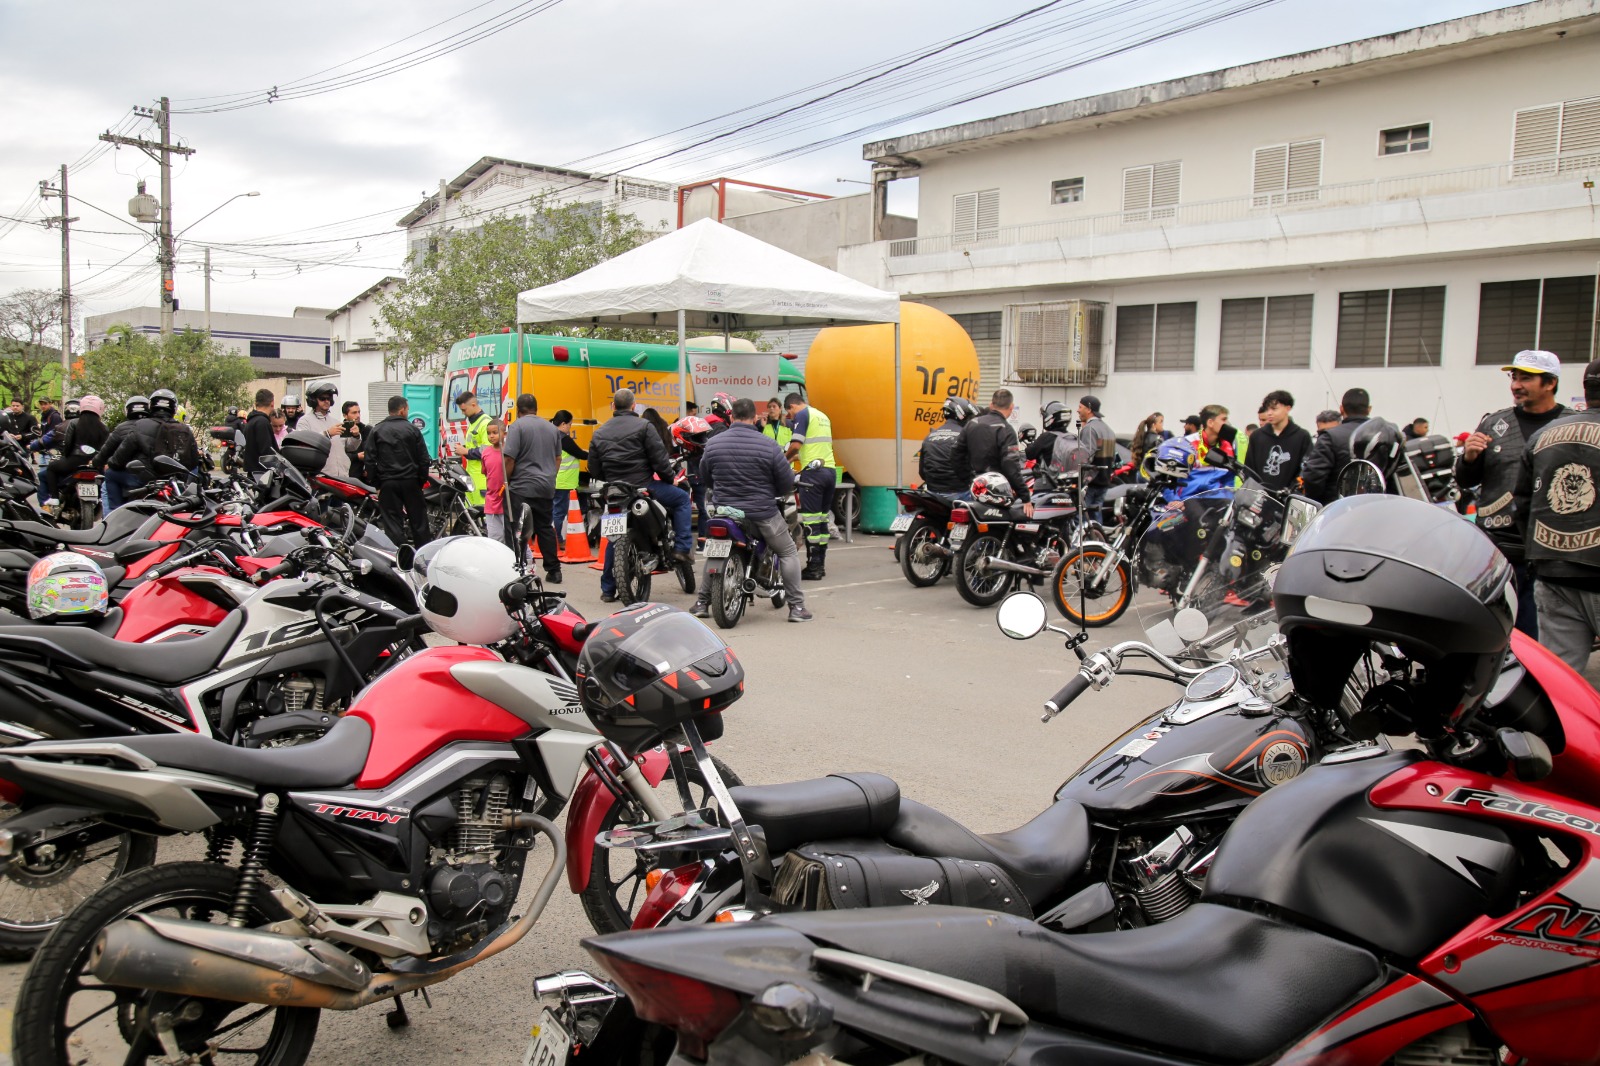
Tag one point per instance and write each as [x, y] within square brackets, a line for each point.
[1069, 692]
[288, 566]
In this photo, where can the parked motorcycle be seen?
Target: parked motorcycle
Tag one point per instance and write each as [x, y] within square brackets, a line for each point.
[397, 843]
[640, 531]
[446, 491]
[997, 545]
[740, 565]
[923, 548]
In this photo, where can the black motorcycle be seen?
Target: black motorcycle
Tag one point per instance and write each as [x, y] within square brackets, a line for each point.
[446, 492]
[923, 545]
[997, 545]
[639, 530]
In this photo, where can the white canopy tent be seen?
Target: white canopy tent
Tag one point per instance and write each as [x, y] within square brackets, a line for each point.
[708, 276]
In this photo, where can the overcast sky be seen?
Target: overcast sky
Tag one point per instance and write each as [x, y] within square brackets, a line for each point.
[579, 78]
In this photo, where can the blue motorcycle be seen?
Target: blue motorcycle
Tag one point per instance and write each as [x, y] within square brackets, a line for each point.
[739, 564]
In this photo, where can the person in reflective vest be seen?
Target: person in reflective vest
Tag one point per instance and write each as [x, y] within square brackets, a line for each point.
[774, 426]
[475, 438]
[566, 470]
[811, 442]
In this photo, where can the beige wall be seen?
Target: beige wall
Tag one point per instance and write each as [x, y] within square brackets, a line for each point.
[1469, 102]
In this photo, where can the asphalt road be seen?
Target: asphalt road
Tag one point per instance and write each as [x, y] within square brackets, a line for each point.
[909, 682]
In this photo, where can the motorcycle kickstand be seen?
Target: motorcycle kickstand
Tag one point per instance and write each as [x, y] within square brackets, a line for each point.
[398, 1018]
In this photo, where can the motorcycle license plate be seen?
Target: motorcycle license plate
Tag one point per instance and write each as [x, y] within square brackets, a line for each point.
[718, 549]
[901, 523]
[550, 1043]
[957, 536]
[613, 526]
[88, 490]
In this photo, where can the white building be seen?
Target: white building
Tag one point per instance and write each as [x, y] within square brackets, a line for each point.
[1400, 213]
[301, 336]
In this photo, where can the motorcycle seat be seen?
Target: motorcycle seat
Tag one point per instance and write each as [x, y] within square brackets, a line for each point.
[825, 808]
[355, 483]
[1214, 984]
[1042, 855]
[100, 533]
[167, 662]
[331, 761]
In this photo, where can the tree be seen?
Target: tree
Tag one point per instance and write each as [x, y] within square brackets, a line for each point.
[207, 379]
[30, 320]
[467, 281]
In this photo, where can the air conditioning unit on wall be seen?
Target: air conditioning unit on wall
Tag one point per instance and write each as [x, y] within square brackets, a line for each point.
[1055, 343]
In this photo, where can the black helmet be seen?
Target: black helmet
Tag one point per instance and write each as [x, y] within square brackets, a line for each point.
[1386, 569]
[1026, 434]
[1379, 443]
[652, 667]
[136, 406]
[71, 409]
[959, 409]
[1056, 416]
[164, 401]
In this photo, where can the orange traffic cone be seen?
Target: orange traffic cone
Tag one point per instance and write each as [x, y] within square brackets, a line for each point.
[600, 559]
[577, 547]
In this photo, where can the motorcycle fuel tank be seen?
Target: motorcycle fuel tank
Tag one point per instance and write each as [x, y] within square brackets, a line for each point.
[1213, 751]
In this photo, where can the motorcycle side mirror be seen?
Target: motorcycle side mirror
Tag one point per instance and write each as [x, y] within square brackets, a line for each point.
[1191, 625]
[137, 466]
[168, 463]
[1217, 457]
[405, 557]
[1528, 754]
[1022, 616]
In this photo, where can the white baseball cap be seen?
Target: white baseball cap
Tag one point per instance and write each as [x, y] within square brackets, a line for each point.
[1533, 362]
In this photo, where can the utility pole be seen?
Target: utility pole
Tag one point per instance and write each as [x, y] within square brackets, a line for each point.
[46, 190]
[161, 151]
[208, 288]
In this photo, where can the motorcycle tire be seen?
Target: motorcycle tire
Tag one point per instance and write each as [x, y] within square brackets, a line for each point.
[21, 934]
[615, 889]
[196, 890]
[920, 567]
[633, 579]
[726, 592]
[686, 579]
[984, 590]
[1101, 609]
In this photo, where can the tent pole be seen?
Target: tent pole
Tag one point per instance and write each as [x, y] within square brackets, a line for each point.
[899, 431]
[683, 365]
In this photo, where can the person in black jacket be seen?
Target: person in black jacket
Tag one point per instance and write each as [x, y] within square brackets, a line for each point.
[628, 450]
[936, 461]
[1331, 450]
[144, 443]
[1278, 449]
[85, 431]
[19, 423]
[398, 461]
[989, 445]
[358, 431]
[118, 481]
[745, 469]
[258, 436]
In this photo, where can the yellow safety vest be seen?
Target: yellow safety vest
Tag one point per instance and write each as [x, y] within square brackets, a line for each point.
[477, 436]
[818, 441]
[778, 432]
[567, 473]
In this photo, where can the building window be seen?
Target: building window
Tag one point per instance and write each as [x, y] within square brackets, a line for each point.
[1150, 193]
[1405, 139]
[1266, 333]
[263, 349]
[327, 355]
[1155, 337]
[1055, 343]
[1066, 191]
[1286, 174]
[1570, 129]
[1390, 327]
[984, 328]
[1553, 314]
[976, 216]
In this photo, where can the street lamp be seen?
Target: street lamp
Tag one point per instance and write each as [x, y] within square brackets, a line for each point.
[196, 222]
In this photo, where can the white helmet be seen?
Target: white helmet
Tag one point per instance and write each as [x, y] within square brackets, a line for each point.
[461, 582]
[992, 488]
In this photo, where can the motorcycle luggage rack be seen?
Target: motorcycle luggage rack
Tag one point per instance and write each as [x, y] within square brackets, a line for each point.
[994, 1007]
[686, 832]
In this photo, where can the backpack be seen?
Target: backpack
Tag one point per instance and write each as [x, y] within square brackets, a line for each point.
[1066, 454]
[173, 439]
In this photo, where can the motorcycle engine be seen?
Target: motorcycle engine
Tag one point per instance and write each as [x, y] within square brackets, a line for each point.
[469, 891]
[1166, 878]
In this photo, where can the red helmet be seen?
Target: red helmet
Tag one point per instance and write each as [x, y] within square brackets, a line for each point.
[722, 405]
[992, 488]
[691, 432]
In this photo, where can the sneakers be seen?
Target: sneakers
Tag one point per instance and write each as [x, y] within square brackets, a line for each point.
[608, 597]
[684, 558]
[700, 609]
[800, 614]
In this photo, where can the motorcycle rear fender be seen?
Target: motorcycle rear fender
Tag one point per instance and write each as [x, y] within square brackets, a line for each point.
[46, 822]
[170, 798]
[591, 800]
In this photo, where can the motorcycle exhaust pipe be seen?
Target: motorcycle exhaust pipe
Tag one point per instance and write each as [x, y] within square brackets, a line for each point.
[189, 958]
[1015, 568]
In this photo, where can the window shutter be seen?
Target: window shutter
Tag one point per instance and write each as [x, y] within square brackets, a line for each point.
[1416, 326]
[1580, 132]
[1508, 319]
[988, 215]
[1288, 340]
[1136, 337]
[1164, 188]
[1174, 348]
[1363, 328]
[1271, 173]
[1305, 171]
[1566, 317]
[1538, 133]
[975, 216]
[1136, 194]
[964, 216]
[1242, 331]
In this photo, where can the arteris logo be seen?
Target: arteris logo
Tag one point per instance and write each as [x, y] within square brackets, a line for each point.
[1532, 809]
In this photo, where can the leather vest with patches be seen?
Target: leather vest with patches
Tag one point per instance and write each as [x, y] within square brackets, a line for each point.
[1502, 461]
[1564, 509]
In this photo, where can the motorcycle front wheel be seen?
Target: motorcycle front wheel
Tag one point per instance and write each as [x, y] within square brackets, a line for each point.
[633, 579]
[1083, 601]
[726, 592]
[918, 562]
[65, 1014]
[980, 587]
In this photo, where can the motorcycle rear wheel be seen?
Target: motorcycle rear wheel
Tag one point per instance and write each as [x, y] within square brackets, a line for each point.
[633, 580]
[726, 592]
[46, 1028]
[988, 588]
[920, 566]
[1098, 608]
[616, 876]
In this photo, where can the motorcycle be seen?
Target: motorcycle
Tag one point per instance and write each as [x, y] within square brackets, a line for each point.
[446, 492]
[397, 843]
[640, 532]
[740, 565]
[1383, 906]
[996, 545]
[923, 548]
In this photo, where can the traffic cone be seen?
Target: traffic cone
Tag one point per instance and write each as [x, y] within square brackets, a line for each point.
[600, 559]
[577, 548]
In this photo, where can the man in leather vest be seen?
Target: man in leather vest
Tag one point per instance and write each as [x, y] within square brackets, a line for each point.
[1491, 460]
[1558, 509]
[1330, 452]
[937, 464]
